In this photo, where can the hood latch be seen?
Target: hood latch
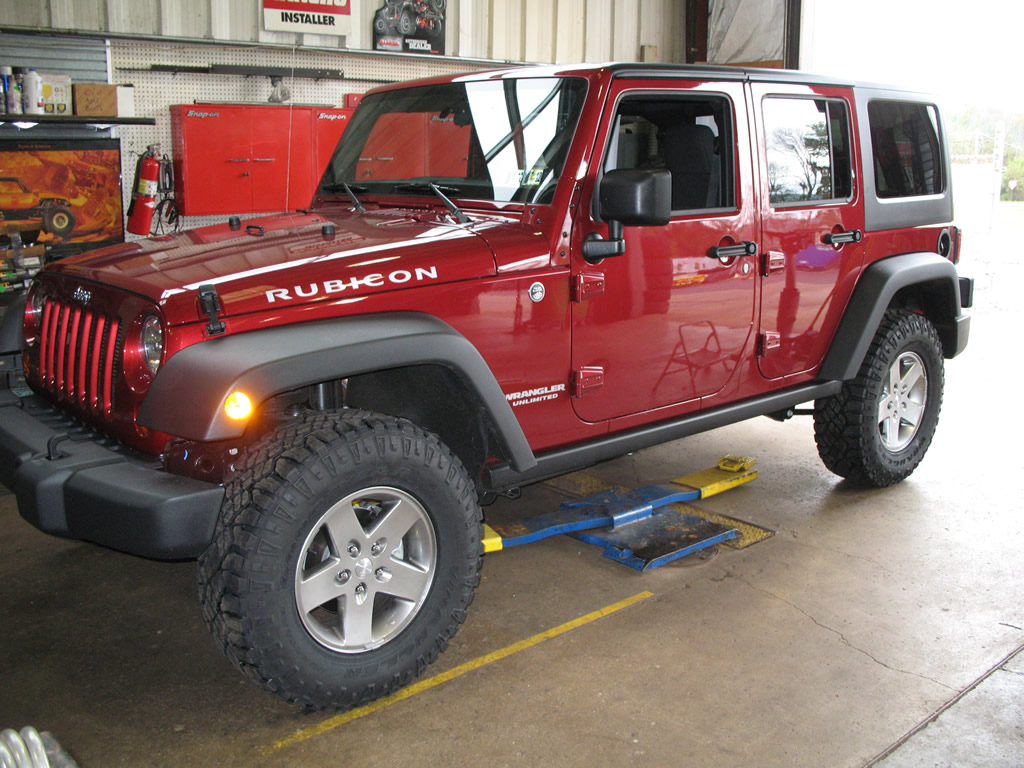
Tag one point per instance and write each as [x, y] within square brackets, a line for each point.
[209, 305]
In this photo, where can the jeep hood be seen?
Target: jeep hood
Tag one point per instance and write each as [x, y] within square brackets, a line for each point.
[287, 260]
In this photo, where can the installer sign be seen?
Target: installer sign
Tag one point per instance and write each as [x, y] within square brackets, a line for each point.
[318, 17]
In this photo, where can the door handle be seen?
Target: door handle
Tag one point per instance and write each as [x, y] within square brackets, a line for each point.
[263, 159]
[728, 253]
[840, 238]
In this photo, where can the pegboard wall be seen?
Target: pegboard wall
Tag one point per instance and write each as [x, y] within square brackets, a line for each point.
[156, 91]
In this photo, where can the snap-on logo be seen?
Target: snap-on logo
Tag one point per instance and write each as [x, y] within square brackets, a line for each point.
[537, 395]
[374, 280]
[327, 116]
[193, 113]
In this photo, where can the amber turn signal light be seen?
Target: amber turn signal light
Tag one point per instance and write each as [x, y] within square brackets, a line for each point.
[238, 406]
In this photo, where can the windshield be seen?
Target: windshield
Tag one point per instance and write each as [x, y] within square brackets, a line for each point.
[502, 140]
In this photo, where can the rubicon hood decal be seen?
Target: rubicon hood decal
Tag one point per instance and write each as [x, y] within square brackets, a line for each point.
[372, 280]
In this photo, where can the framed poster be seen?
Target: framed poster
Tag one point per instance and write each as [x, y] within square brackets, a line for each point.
[67, 191]
[410, 26]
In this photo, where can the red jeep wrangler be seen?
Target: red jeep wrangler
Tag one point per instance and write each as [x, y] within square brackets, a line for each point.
[502, 277]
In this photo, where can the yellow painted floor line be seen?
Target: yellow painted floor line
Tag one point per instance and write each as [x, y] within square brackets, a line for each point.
[430, 682]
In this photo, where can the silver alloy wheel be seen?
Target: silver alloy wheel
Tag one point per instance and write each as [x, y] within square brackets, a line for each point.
[367, 567]
[903, 401]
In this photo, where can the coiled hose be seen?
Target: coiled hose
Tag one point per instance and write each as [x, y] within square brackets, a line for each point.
[30, 749]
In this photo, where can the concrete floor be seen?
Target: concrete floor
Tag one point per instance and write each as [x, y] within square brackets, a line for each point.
[866, 615]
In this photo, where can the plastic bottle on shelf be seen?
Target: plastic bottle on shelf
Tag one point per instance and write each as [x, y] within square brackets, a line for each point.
[33, 93]
[14, 105]
[6, 78]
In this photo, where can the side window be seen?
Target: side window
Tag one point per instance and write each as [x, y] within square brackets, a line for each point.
[808, 147]
[691, 137]
[905, 145]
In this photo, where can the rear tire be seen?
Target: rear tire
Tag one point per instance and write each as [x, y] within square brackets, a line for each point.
[59, 221]
[346, 556]
[878, 428]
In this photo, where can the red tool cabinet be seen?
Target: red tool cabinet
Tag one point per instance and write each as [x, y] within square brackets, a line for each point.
[250, 158]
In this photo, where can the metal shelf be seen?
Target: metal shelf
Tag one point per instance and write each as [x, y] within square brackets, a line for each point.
[93, 120]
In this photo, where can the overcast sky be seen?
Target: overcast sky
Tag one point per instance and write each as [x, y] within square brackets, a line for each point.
[967, 52]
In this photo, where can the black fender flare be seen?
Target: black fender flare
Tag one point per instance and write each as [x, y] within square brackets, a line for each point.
[187, 396]
[878, 284]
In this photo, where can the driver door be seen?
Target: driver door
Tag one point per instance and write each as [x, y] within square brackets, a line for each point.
[666, 323]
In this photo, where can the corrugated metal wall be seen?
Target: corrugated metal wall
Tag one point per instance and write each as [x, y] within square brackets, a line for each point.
[551, 31]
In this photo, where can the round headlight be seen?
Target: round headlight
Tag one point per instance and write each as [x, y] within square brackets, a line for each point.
[33, 314]
[152, 343]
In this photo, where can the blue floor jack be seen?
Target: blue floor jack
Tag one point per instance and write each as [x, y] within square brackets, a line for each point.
[637, 528]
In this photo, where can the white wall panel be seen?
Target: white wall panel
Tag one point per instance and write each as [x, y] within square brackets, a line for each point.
[625, 30]
[185, 18]
[235, 20]
[598, 25]
[507, 30]
[474, 29]
[77, 14]
[25, 14]
[361, 31]
[570, 18]
[539, 29]
[652, 26]
[140, 17]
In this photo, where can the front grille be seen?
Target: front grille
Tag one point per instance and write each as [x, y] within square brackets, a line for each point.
[78, 354]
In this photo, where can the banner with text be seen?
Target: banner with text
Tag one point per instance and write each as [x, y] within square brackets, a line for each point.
[317, 17]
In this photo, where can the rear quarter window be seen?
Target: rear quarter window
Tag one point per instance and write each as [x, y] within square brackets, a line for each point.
[905, 148]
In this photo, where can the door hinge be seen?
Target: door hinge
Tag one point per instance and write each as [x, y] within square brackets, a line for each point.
[587, 285]
[773, 261]
[587, 379]
[768, 341]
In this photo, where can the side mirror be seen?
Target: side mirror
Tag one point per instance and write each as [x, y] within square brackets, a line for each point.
[631, 197]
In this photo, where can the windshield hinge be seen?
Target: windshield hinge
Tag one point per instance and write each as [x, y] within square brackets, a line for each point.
[209, 305]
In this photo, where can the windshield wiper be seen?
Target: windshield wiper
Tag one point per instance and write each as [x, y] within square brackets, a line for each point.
[439, 190]
[350, 190]
[344, 186]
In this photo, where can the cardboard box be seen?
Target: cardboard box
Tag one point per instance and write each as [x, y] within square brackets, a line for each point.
[95, 100]
[56, 94]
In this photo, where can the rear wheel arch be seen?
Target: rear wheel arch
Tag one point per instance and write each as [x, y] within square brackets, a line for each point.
[921, 282]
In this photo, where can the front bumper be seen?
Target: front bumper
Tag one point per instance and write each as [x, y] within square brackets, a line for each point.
[71, 483]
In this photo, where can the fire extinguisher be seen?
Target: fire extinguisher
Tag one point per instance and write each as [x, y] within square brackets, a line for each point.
[147, 176]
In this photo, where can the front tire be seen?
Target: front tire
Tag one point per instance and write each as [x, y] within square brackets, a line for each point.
[880, 425]
[406, 24]
[346, 556]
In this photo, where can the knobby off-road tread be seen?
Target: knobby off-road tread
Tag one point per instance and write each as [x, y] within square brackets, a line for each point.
[846, 425]
[339, 439]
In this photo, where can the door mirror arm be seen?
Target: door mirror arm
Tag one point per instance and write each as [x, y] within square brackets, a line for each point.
[596, 247]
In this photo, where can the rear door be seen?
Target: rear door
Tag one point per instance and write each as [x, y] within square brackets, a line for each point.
[666, 323]
[813, 221]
